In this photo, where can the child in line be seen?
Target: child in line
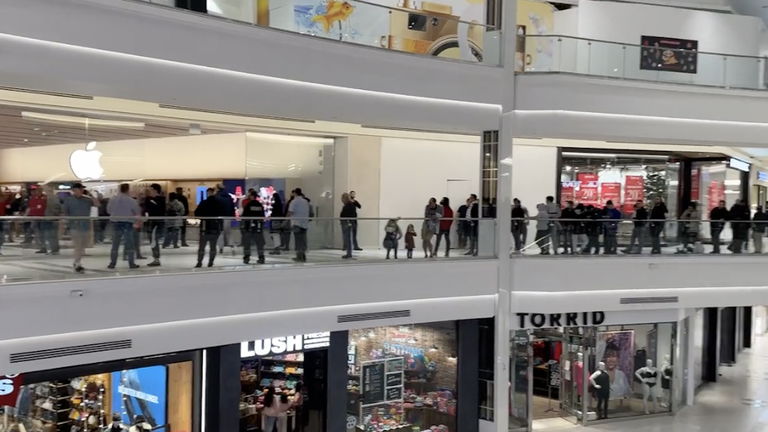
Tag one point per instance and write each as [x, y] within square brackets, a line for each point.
[410, 243]
[392, 235]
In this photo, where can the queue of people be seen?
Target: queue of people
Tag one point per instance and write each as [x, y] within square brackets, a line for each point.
[577, 228]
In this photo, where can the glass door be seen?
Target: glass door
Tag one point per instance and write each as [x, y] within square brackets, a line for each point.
[521, 375]
[573, 389]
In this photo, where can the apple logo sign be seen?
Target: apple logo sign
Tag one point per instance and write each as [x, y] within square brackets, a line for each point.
[86, 164]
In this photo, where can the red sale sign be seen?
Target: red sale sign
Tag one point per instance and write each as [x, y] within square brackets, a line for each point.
[634, 190]
[587, 192]
[715, 194]
[9, 389]
[695, 194]
[610, 192]
[567, 192]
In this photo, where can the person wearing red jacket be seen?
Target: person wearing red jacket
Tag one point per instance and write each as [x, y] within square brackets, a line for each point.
[445, 226]
[35, 209]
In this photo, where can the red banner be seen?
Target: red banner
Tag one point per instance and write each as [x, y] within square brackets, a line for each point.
[695, 194]
[9, 389]
[715, 194]
[567, 192]
[587, 193]
[634, 190]
[610, 191]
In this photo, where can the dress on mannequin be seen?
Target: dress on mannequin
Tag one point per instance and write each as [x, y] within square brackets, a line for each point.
[578, 374]
[648, 375]
[601, 381]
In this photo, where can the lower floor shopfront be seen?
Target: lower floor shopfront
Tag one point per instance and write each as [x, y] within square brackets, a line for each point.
[589, 367]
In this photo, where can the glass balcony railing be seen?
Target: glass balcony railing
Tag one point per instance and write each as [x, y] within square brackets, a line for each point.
[557, 53]
[432, 30]
[56, 248]
[599, 236]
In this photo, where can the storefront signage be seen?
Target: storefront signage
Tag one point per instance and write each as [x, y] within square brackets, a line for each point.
[9, 389]
[569, 319]
[739, 164]
[610, 192]
[762, 176]
[285, 344]
[383, 381]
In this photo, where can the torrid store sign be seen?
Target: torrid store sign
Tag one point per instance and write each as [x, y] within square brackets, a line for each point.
[567, 319]
[9, 389]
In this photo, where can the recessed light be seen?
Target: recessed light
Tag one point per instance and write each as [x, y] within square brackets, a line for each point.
[26, 140]
[36, 129]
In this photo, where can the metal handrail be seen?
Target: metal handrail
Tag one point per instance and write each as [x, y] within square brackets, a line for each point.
[561, 36]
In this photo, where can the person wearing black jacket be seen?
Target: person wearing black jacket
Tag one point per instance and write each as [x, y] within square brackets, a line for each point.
[518, 223]
[739, 226]
[592, 227]
[473, 212]
[253, 229]
[658, 217]
[227, 211]
[210, 228]
[353, 199]
[638, 229]
[185, 202]
[758, 229]
[348, 216]
[154, 206]
[568, 224]
[717, 218]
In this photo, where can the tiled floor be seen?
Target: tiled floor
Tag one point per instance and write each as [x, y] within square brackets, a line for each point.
[737, 403]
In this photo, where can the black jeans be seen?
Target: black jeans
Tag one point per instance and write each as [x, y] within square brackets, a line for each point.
[637, 237]
[354, 235]
[211, 239]
[347, 236]
[447, 234]
[300, 242]
[610, 243]
[593, 243]
[251, 236]
[602, 406]
[656, 229]
[715, 231]
[156, 233]
[517, 236]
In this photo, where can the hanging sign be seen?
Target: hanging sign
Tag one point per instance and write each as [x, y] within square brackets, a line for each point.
[10, 385]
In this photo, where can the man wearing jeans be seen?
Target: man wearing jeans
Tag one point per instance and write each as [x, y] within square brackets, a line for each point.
[78, 206]
[125, 212]
[353, 199]
[717, 218]
[640, 217]
[298, 211]
[156, 208]
[348, 215]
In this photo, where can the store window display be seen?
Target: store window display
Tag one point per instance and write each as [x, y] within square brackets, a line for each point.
[404, 378]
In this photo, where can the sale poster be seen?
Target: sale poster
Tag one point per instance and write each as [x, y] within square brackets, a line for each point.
[610, 192]
[695, 194]
[715, 194]
[587, 192]
[634, 190]
[10, 385]
[567, 192]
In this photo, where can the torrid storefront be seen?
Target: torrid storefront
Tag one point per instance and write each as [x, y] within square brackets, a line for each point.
[399, 378]
[594, 365]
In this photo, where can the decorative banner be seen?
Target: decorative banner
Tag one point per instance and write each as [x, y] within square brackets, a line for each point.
[9, 389]
[610, 191]
[715, 194]
[587, 193]
[695, 186]
[567, 192]
[668, 54]
[634, 190]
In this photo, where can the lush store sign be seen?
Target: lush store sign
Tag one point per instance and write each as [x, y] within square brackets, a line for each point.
[285, 344]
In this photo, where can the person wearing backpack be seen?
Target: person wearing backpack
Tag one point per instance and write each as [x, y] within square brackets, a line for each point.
[253, 229]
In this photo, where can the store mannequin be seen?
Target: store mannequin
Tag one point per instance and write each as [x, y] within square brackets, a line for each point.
[648, 376]
[666, 381]
[116, 425]
[601, 381]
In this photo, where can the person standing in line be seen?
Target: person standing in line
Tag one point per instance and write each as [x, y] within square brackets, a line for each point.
[410, 240]
[253, 229]
[78, 205]
[50, 233]
[353, 199]
[690, 227]
[183, 228]
[553, 209]
[209, 211]
[543, 231]
[473, 213]
[392, 236]
[717, 218]
[285, 239]
[446, 221]
[658, 219]
[348, 214]
[592, 228]
[758, 229]
[739, 226]
[298, 212]
[174, 224]
[519, 221]
[124, 211]
[155, 208]
[568, 224]
[638, 229]
[36, 209]
[430, 225]
[4, 207]
[579, 231]
[462, 228]
[277, 224]
[227, 206]
[612, 217]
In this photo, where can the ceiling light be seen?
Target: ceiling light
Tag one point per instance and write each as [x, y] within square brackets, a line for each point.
[85, 121]
[291, 138]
